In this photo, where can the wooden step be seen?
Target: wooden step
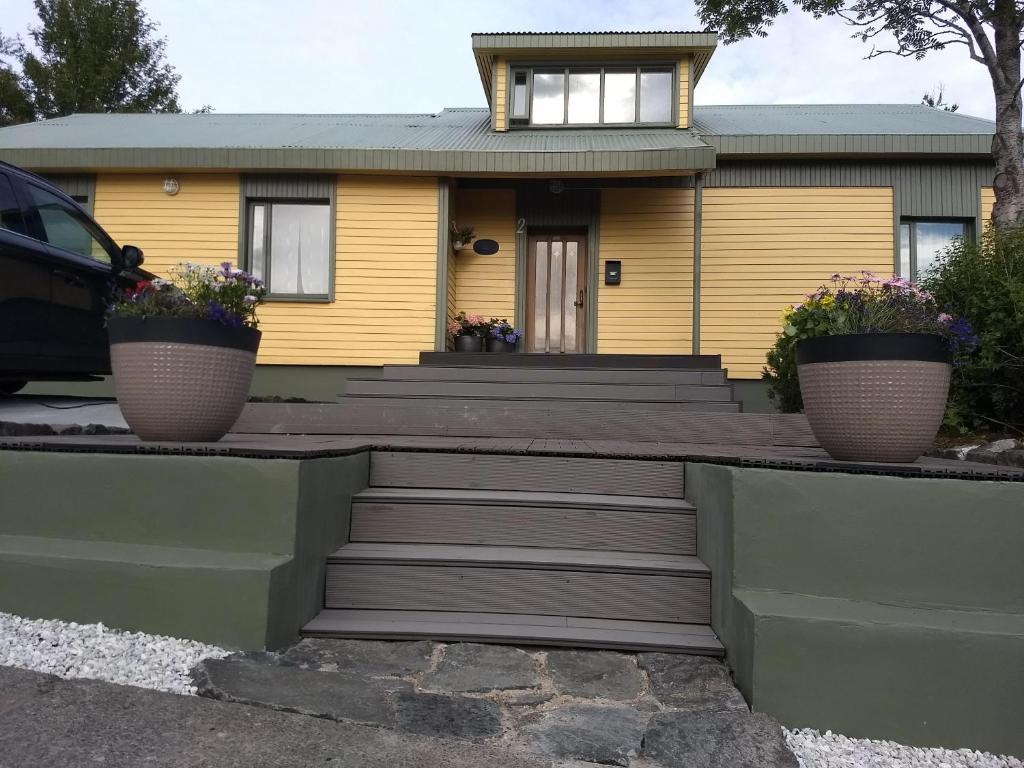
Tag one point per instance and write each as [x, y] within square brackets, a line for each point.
[596, 584]
[522, 359]
[618, 477]
[539, 391]
[553, 375]
[589, 408]
[526, 629]
[511, 518]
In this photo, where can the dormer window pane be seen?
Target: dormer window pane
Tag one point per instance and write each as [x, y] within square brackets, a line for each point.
[655, 97]
[548, 98]
[584, 97]
[620, 97]
[519, 95]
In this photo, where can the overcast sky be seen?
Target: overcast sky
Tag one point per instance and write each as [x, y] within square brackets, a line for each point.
[414, 55]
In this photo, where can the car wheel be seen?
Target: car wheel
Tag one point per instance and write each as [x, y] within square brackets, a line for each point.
[9, 387]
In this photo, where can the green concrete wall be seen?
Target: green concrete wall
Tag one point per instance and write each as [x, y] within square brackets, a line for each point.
[878, 607]
[311, 382]
[221, 549]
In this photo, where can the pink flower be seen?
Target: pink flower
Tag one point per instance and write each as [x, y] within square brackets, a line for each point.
[945, 319]
[474, 319]
[454, 326]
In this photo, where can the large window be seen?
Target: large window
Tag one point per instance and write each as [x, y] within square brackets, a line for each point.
[922, 241]
[67, 228]
[289, 247]
[544, 96]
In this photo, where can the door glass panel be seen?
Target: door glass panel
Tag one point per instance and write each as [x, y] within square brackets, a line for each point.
[655, 97]
[540, 298]
[548, 98]
[65, 227]
[620, 97]
[584, 97]
[572, 290]
[555, 297]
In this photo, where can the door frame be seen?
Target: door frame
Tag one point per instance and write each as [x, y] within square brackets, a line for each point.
[589, 224]
[576, 234]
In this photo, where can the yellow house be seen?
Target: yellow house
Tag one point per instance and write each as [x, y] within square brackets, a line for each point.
[625, 218]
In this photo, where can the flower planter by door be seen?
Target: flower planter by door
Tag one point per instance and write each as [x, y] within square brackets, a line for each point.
[876, 396]
[469, 344]
[499, 345]
[181, 379]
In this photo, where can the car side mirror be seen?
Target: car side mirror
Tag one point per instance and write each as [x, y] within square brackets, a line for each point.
[131, 257]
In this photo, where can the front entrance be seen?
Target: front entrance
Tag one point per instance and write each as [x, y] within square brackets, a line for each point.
[556, 292]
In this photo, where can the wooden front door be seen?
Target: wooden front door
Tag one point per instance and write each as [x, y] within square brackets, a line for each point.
[556, 293]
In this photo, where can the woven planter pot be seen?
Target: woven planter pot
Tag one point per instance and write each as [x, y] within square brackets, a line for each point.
[179, 379]
[876, 396]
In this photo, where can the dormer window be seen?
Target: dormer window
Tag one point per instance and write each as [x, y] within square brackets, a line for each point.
[613, 95]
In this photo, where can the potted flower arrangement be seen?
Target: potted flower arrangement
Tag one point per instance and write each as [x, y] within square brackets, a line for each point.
[468, 332]
[460, 236]
[874, 358]
[183, 351]
[502, 336]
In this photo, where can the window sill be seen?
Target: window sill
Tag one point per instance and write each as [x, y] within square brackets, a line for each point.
[299, 298]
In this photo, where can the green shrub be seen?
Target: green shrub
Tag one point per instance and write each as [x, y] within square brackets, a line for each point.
[984, 283]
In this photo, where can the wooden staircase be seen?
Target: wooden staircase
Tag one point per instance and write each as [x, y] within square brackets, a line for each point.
[529, 549]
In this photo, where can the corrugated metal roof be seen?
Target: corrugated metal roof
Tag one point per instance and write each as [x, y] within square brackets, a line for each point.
[607, 32]
[834, 119]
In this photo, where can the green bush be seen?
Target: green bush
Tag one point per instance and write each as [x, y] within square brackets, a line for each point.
[984, 283]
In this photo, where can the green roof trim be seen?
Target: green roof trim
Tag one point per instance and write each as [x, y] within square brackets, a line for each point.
[461, 142]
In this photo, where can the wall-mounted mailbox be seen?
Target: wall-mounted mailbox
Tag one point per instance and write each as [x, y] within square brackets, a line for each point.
[485, 247]
[612, 272]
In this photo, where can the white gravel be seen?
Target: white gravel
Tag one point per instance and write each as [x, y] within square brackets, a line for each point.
[94, 651]
[830, 750]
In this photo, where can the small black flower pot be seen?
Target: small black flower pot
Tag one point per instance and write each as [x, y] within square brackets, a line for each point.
[499, 345]
[469, 344]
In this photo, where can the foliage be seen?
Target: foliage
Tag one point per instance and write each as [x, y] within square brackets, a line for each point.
[984, 282]
[504, 331]
[988, 30]
[15, 105]
[468, 325]
[461, 234]
[226, 295]
[88, 56]
[854, 305]
[937, 100]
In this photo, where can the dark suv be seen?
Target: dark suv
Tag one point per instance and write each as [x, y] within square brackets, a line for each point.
[57, 270]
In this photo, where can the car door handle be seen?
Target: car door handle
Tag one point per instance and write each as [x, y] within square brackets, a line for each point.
[69, 278]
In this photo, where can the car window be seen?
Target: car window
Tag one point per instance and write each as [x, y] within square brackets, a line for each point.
[10, 211]
[66, 227]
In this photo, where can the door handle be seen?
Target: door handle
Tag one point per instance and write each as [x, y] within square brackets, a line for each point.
[580, 301]
[69, 278]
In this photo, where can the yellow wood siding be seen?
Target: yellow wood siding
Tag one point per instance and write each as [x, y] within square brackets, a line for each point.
[762, 249]
[385, 265]
[384, 281]
[651, 232]
[988, 200]
[486, 285]
[500, 91]
[684, 92]
[199, 224]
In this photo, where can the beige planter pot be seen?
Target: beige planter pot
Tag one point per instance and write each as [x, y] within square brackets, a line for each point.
[875, 397]
[181, 380]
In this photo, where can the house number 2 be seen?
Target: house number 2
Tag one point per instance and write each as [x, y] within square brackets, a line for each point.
[521, 227]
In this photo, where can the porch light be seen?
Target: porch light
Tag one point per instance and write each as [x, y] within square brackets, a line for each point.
[171, 186]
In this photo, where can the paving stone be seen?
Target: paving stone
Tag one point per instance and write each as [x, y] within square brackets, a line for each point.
[58, 723]
[469, 667]
[528, 698]
[331, 695]
[438, 715]
[370, 658]
[608, 735]
[691, 682]
[595, 674]
[717, 740]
